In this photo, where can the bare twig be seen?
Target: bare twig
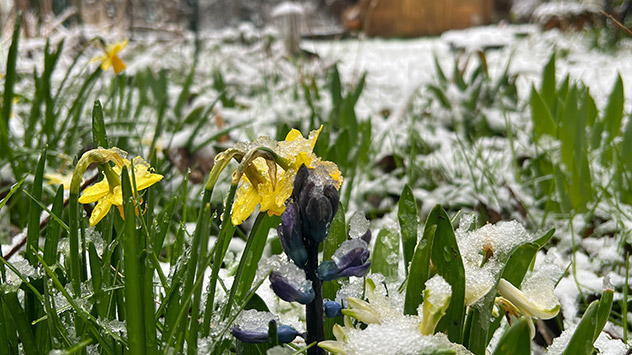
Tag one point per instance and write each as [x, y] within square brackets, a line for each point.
[616, 22]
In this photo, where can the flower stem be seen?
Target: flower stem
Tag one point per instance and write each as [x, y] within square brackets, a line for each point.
[314, 310]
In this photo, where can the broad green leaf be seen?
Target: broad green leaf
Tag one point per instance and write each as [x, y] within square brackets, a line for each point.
[447, 262]
[581, 342]
[568, 129]
[603, 312]
[520, 261]
[614, 110]
[408, 218]
[419, 271]
[516, 340]
[337, 235]
[543, 122]
[626, 146]
[549, 83]
[385, 258]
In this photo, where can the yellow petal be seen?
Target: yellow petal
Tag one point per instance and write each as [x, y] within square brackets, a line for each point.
[95, 192]
[118, 64]
[115, 48]
[100, 210]
[106, 63]
[245, 203]
[147, 180]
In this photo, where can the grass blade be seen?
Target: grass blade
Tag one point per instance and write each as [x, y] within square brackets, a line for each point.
[408, 215]
[33, 231]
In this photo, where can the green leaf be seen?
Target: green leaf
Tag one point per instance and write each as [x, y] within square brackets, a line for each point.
[33, 232]
[614, 110]
[603, 312]
[447, 262]
[516, 340]
[419, 271]
[132, 271]
[440, 95]
[442, 78]
[408, 215]
[541, 114]
[252, 253]
[99, 136]
[54, 228]
[549, 83]
[7, 102]
[385, 258]
[337, 235]
[626, 146]
[581, 342]
[520, 260]
[21, 322]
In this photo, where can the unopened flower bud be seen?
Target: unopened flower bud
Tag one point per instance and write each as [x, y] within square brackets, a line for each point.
[291, 290]
[291, 234]
[351, 259]
[332, 309]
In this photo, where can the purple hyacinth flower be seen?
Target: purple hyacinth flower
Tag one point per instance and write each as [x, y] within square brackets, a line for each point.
[290, 285]
[351, 259]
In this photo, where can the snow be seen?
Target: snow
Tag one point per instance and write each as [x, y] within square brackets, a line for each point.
[358, 225]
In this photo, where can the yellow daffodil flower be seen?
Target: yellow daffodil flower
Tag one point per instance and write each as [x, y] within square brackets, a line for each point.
[110, 58]
[107, 195]
[59, 179]
[267, 184]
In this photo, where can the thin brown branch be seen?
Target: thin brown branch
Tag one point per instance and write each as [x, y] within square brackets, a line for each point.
[616, 22]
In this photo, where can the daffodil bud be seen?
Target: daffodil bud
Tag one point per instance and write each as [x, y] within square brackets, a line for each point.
[291, 286]
[362, 311]
[437, 295]
[291, 234]
[332, 309]
[350, 259]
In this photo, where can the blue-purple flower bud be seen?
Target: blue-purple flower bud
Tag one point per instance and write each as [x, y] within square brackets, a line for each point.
[351, 259]
[285, 334]
[332, 309]
[318, 200]
[291, 234]
[290, 288]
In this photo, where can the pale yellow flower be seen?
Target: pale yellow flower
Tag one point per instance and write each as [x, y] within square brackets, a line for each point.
[59, 179]
[110, 58]
[108, 196]
[267, 184]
